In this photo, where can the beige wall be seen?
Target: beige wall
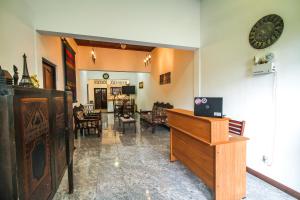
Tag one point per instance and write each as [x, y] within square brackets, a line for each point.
[112, 60]
[180, 92]
[50, 47]
[268, 103]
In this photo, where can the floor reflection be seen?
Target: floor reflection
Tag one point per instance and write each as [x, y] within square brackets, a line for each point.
[136, 166]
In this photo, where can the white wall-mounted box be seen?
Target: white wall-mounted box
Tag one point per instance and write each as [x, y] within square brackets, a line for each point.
[266, 68]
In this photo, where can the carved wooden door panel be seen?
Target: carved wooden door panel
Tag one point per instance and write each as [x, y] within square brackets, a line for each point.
[60, 144]
[70, 138]
[35, 148]
[70, 135]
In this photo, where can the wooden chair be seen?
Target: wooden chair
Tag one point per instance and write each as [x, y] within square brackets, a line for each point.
[236, 127]
[86, 122]
[118, 109]
[89, 108]
[128, 109]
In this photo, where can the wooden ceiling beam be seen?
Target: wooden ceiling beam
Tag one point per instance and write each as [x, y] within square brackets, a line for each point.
[112, 45]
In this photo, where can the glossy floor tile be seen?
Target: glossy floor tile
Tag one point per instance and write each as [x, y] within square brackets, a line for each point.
[135, 166]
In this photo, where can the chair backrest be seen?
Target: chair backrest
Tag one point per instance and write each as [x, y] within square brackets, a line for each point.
[128, 108]
[169, 106]
[236, 127]
[76, 109]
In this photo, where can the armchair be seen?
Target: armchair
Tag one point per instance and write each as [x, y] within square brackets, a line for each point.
[86, 121]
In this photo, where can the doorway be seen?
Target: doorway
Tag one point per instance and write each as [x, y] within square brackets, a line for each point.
[49, 74]
[100, 95]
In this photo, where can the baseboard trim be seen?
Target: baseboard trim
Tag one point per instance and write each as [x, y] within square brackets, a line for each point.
[274, 183]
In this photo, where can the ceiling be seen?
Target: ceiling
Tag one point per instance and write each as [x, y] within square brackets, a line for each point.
[112, 45]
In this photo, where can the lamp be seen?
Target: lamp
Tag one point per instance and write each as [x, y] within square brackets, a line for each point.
[147, 60]
[93, 56]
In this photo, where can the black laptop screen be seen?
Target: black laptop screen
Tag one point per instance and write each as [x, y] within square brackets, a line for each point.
[208, 106]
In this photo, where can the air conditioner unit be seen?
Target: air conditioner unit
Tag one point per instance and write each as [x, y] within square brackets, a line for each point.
[266, 68]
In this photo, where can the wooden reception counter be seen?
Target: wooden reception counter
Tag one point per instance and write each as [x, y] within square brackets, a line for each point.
[204, 145]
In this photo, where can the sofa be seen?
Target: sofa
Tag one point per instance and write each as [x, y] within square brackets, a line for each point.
[157, 116]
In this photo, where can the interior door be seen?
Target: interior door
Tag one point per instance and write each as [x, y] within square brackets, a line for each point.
[100, 95]
[49, 75]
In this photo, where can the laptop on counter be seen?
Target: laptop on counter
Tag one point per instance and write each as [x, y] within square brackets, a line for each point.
[208, 106]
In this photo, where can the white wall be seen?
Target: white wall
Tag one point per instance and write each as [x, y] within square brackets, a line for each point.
[144, 97]
[16, 36]
[173, 22]
[180, 92]
[272, 121]
[85, 76]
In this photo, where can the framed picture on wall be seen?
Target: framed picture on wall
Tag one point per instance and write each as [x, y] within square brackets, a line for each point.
[165, 78]
[116, 90]
[141, 85]
[161, 79]
[69, 68]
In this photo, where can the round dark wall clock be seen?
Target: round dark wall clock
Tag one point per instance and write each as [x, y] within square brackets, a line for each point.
[105, 76]
[266, 31]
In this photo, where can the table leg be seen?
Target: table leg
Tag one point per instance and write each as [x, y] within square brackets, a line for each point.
[70, 177]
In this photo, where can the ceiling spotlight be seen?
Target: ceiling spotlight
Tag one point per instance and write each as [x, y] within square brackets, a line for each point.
[123, 46]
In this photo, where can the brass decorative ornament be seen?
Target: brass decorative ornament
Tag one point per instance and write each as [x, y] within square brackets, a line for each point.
[266, 31]
[35, 81]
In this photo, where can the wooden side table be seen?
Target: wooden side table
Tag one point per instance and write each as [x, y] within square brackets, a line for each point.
[128, 121]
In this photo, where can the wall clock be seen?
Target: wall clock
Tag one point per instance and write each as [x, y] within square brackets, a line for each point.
[105, 76]
[266, 31]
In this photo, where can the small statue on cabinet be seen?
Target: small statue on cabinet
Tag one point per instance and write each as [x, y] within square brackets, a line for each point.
[16, 75]
[25, 81]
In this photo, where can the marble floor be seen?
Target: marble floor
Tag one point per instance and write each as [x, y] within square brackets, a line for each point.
[135, 166]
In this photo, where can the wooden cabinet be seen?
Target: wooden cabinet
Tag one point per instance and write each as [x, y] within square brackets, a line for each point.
[204, 145]
[36, 137]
